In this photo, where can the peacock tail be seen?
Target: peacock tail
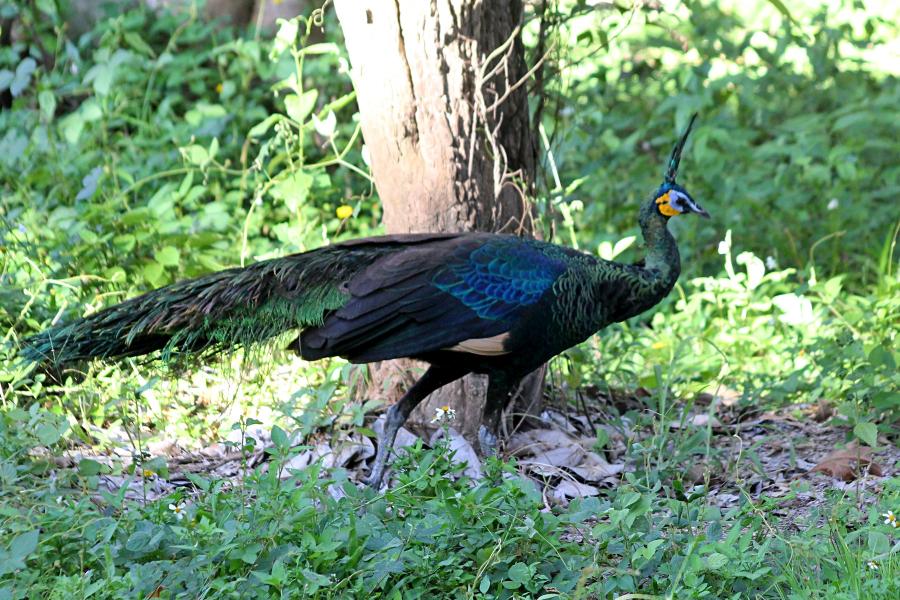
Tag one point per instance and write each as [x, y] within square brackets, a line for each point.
[219, 312]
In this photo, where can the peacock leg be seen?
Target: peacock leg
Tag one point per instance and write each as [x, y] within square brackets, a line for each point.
[433, 378]
[497, 398]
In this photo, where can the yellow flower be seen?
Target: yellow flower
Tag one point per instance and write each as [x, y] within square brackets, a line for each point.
[344, 211]
[658, 345]
[219, 87]
[148, 474]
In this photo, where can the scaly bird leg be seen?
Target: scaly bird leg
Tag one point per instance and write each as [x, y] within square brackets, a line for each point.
[433, 378]
[497, 398]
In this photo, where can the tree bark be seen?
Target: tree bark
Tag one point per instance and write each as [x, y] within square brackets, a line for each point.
[444, 114]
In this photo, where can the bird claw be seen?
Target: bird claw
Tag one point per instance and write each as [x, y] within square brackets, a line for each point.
[488, 441]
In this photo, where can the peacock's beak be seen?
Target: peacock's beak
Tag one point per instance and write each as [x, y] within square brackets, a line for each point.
[693, 207]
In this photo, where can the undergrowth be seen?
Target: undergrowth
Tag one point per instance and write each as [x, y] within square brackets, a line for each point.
[159, 147]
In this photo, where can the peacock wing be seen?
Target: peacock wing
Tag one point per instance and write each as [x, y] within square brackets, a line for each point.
[462, 293]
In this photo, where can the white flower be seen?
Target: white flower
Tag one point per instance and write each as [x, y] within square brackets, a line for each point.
[22, 229]
[178, 510]
[833, 204]
[325, 127]
[890, 518]
[725, 245]
[873, 566]
[771, 263]
[443, 413]
[258, 201]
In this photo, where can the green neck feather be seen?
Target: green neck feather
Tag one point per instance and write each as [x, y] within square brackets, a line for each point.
[662, 262]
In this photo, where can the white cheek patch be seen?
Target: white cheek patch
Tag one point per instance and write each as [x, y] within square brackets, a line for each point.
[678, 201]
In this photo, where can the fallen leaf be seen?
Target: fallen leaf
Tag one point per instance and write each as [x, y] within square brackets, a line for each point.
[545, 451]
[701, 420]
[573, 489]
[847, 464]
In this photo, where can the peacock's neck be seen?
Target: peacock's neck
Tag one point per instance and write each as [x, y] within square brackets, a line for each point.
[662, 263]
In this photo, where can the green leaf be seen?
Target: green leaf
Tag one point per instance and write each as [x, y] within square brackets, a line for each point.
[716, 561]
[153, 273]
[485, 584]
[88, 467]
[168, 256]
[141, 540]
[47, 434]
[321, 48]
[249, 554]
[6, 79]
[196, 155]
[47, 102]
[878, 543]
[101, 77]
[48, 7]
[137, 42]
[263, 126]
[867, 432]
[22, 78]
[299, 107]
[280, 438]
[90, 110]
[519, 572]
[23, 545]
[293, 189]
[286, 36]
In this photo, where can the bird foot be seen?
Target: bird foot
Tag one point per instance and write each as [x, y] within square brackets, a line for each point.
[488, 441]
[372, 481]
[375, 476]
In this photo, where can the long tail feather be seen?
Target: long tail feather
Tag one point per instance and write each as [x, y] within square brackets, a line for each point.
[210, 314]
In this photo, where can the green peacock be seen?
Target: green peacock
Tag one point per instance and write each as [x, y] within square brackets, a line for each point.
[464, 303]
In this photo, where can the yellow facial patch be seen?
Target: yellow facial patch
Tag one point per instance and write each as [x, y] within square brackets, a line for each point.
[664, 207]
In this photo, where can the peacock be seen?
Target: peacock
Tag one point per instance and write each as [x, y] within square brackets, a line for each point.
[485, 303]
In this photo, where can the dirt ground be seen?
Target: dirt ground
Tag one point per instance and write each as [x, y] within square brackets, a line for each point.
[800, 450]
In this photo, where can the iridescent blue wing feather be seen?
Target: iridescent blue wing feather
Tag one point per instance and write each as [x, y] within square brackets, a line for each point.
[500, 278]
[436, 296]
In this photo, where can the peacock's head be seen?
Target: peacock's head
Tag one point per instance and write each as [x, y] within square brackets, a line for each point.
[671, 199]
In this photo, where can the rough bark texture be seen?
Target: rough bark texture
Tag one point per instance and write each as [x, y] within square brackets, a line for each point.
[444, 115]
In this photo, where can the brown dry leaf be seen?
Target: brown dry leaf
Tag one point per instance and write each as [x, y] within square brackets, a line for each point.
[847, 463]
[573, 489]
[544, 451]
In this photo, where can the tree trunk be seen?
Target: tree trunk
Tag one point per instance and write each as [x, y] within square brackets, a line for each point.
[444, 115]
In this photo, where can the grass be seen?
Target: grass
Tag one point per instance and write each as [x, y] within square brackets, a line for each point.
[154, 149]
